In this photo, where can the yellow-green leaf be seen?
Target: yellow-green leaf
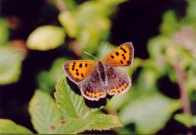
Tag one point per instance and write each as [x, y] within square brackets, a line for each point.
[46, 38]
[68, 101]
[45, 115]
[3, 32]
[187, 120]
[79, 116]
[8, 126]
[143, 111]
[10, 65]
[69, 22]
[103, 121]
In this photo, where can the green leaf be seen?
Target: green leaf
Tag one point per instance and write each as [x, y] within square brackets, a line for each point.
[8, 126]
[47, 79]
[191, 12]
[69, 22]
[94, 121]
[117, 102]
[45, 115]
[185, 119]
[46, 38]
[3, 32]
[103, 121]
[150, 112]
[170, 23]
[69, 102]
[74, 126]
[79, 116]
[10, 67]
[70, 4]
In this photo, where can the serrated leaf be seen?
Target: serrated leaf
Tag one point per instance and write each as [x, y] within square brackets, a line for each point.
[143, 111]
[8, 126]
[46, 38]
[81, 118]
[10, 67]
[103, 121]
[68, 101]
[44, 113]
[75, 126]
[93, 121]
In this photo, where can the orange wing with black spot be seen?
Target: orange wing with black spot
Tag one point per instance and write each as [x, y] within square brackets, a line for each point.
[121, 56]
[119, 81]
[78, 70]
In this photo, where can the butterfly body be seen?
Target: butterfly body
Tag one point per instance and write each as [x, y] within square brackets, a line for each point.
[97, 79]
[101, 69]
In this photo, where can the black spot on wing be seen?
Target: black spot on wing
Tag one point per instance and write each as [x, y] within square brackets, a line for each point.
[73, 66]
[77, 73]
[117, 53]
[121, 61]
[128, 62]
[123, 50]
[80, 65]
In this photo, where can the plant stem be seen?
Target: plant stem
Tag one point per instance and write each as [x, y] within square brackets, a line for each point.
[60, 5]
[183, 93]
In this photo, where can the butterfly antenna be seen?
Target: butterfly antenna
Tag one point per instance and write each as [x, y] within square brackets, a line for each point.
[90, 55]
[104, 49]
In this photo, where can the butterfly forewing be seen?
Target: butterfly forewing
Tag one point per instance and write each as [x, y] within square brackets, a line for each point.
[91, 87]
[78, 70]
[119, 81]
[121, 56]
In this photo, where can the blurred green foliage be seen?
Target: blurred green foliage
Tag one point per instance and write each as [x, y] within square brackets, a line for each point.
[10, 67]
[7, 127]
[3, 32]
[172, 52]
[47, 79]
[45, 38]
[10, 58]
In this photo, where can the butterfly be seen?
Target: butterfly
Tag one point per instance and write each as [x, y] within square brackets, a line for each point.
[97, 79]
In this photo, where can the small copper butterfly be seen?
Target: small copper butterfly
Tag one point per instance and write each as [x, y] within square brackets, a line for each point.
[102, 77]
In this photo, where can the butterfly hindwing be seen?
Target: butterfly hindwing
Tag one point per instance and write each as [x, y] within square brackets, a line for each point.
[78, 70]
[119, 81]
[91, 87]
[121, 56]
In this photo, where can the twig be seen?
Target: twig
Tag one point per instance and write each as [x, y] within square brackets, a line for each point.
[183, 93]
[60, 5]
